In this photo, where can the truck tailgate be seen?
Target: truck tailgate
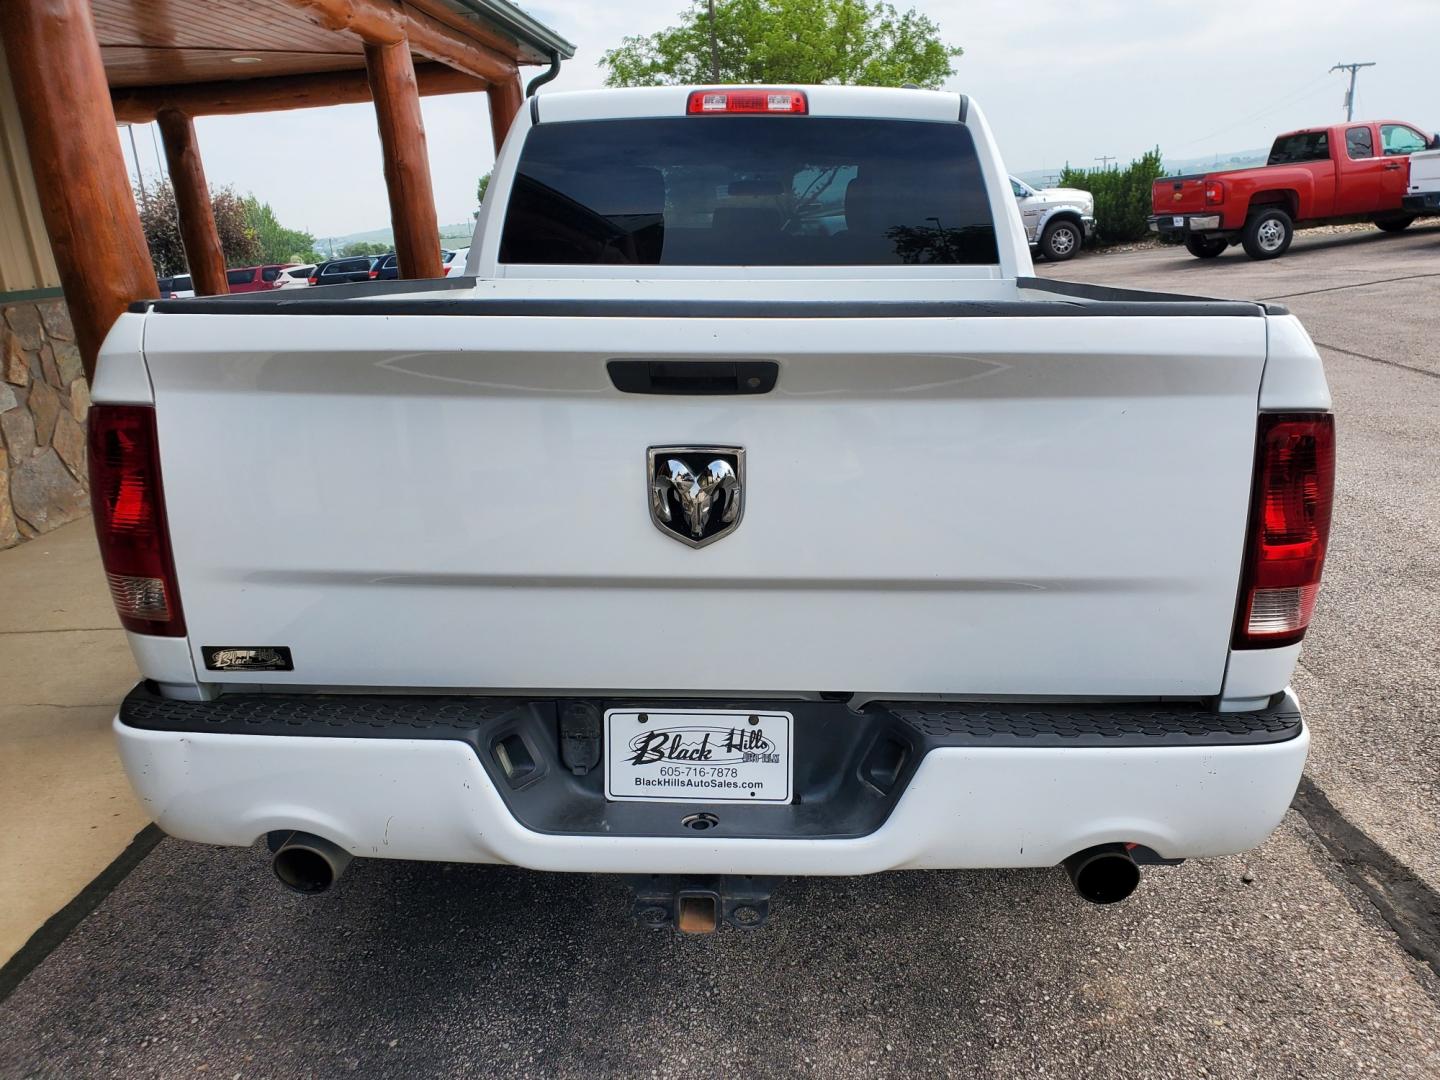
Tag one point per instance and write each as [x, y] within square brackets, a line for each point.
[989, 506]
[1178, 195]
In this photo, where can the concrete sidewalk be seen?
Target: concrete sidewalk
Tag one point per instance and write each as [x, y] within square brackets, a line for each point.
[65, 808]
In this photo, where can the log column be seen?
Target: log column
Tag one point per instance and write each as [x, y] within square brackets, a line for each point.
[407, 162]
[506, 98]
[192, 200]
[80, 175]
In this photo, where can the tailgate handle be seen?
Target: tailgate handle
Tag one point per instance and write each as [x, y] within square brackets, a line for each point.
[694, 376]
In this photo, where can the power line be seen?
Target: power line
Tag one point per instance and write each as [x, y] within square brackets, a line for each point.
[1294, 97]
[1350, 94]
[1105, 160]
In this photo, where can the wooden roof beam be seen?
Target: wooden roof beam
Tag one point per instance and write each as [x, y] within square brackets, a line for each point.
[385, 22]
[140, 105]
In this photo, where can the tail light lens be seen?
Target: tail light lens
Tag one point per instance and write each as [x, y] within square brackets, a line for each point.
[130, 524]
[1214, 192]
[313, 281]
[749, 100]
[374, 274]
[1289, 528]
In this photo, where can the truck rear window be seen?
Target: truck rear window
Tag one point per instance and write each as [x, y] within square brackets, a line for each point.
[1304, 146]
[748, 191]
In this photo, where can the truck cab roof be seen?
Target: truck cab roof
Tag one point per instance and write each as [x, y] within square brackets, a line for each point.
[652, 101]
[1353, 123]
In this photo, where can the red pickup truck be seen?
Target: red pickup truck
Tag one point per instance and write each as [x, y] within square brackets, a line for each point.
[1349, 172]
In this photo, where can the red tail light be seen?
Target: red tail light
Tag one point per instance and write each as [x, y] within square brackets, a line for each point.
[1214, 192]
[749, 100]
[374, 274]
[312, 281]
[1289, 528]
[130, 523]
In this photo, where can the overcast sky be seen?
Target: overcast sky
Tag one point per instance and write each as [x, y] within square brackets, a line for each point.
[1060, 80]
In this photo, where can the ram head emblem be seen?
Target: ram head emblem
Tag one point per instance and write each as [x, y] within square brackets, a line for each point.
[697, 493]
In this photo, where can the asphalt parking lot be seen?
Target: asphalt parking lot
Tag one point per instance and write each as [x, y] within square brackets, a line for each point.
[1317, 955]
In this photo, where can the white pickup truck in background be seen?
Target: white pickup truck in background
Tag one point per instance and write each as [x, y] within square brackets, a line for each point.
[1422, 191]
[748, 509]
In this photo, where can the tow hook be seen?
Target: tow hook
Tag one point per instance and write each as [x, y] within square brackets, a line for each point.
[699, 905]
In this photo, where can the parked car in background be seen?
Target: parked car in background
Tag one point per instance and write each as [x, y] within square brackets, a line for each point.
[1422, 193]
[176, 288]
[255, 278]
[1057, 221]
[297, 277]
[455, 262]
[343, 271]
[1346, 172]
[387, 267]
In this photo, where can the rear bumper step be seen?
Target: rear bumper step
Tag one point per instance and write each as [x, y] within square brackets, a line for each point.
[893, 786]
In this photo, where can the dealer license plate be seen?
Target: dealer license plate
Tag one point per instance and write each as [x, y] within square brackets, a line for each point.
[698, 755]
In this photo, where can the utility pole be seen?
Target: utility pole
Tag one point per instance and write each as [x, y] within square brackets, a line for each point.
[135, 157]
[1105, 161]
[1350, 94]
[714, 47]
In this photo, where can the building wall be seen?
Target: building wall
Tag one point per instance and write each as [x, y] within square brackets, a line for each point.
[43, 401]
[43, 392]
[25, 260]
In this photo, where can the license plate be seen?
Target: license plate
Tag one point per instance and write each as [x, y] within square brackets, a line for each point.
[698, 755]
[1178, 221]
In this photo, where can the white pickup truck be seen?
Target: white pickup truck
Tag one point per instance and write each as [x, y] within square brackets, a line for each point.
[1422, 190]
[748, 509]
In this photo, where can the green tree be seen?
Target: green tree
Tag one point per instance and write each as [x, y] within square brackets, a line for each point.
[161, 222]
[481, 188]
[852, 42]
[362, 247]
[1122, 196]
[277, 243]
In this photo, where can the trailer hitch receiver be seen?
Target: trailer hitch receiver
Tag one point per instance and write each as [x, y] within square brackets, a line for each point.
[701, 904]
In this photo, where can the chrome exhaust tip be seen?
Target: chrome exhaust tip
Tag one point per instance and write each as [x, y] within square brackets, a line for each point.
[1103, 875]
[308, 864]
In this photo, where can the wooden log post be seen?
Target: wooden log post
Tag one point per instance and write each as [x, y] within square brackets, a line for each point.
[192, 201]
[84, 190]
[407, 161]
[506, 99]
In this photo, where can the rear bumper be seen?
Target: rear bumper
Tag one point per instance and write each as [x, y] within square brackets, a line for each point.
[982, 786]
[1186, 224]
[1427, 202]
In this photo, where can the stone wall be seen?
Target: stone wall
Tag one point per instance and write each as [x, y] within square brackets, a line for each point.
[43, 401]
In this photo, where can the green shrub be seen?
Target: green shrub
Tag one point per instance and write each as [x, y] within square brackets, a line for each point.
[1122, 197]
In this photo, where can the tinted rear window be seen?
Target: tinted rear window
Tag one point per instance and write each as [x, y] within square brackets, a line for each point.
[1306, 146]
[749, 190]
[240, 277]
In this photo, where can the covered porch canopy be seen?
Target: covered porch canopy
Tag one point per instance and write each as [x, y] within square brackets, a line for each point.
[81, 66]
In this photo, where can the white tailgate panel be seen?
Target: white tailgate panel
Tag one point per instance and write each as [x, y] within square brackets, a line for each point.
[989, 506]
